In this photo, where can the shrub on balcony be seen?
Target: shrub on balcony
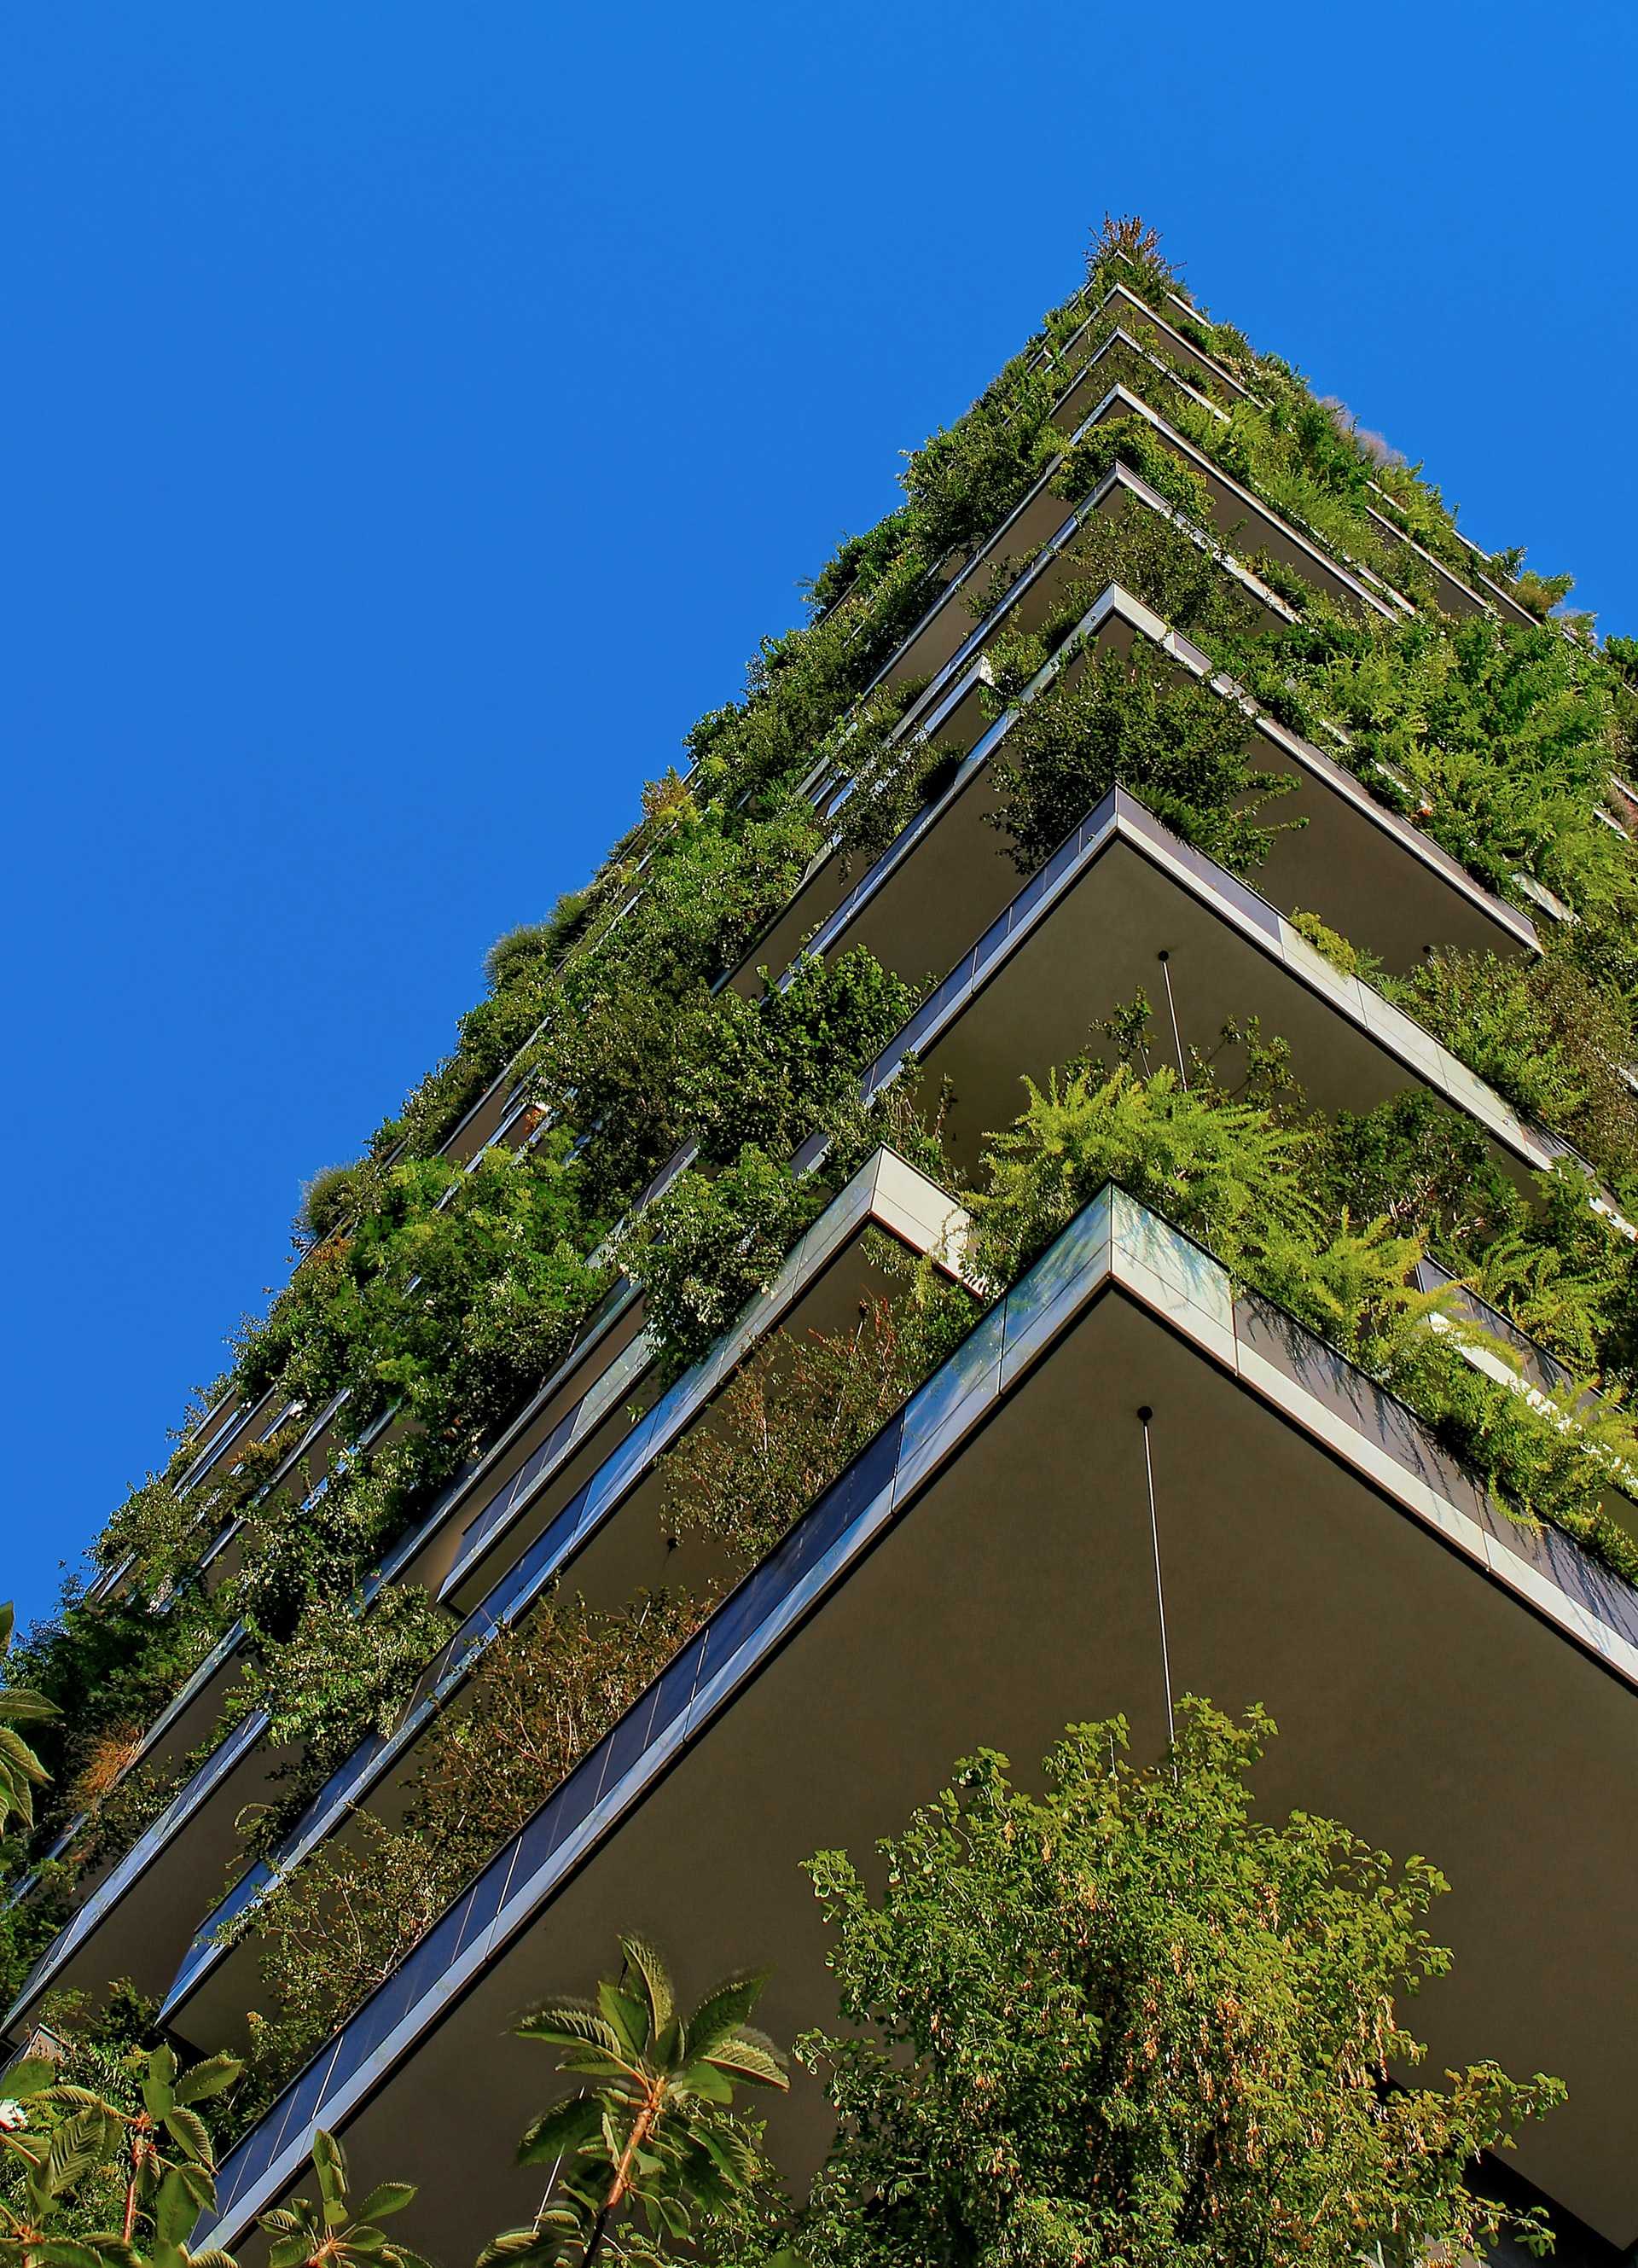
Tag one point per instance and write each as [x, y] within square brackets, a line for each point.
[1133, 721]
[547, 1692]
[1071, 2029]
[1543, 1036]
[1250, 1182]
[346, 1670]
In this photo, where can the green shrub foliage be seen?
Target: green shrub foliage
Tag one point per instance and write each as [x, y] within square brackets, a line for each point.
[1130, 2020]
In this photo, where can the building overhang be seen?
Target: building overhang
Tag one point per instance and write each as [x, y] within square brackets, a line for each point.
[1086, 933]
[1373, 875]
[1445, 1683]
[135, 1922]
[590, 1499]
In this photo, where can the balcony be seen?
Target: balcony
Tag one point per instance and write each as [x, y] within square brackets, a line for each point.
[1058, 960]
[609, 1529]
[1373, 875]
[132, 1923]
[1458, 595]
[1135, 315]
[983, 1574]
[226, 1428]
[1036, 541]
[561, 1502]
[1086, 933]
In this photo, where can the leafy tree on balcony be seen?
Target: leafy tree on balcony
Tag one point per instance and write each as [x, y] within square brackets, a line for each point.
[1130, 2020]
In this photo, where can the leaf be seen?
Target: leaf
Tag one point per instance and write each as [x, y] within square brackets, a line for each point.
[386, 2198]
[627, 2014]
[329, 2162]
[572, 2024]
[188, 2128]
[173, 2212]
[753, 2057]
[207, 2078]
[645, 1959]
[68, 2160]
[560, 2131]
[402, 2256]
[199, 2181]
[27, 2078]
[289, 2252]
[156, 2092]
[721, 2014]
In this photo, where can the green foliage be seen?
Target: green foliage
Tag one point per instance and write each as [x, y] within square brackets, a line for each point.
[1132, 2020]
[340, 2231]
[651, 2137]
[1132, 441]
[1227, 1171]
[141, 2154]
[1181, 575]
[525, 954]
[709, 1244]
[1267, 1192]
[776, 1063]
[346, 1670]
[1543, 1036]
[793, 1418]
[1503, 733]
[108, 1669]
[1336, 949]
[328, 1201]
[544, 1695]
[21, 1772]
[1133, 721]
[1541, 593]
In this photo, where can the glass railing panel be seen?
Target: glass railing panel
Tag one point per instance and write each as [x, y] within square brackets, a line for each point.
[207, 1939]
[181, 1807]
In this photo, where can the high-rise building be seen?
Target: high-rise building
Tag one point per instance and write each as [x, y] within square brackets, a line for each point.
[680, 1440]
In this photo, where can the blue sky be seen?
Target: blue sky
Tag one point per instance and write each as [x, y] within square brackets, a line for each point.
[417, 413]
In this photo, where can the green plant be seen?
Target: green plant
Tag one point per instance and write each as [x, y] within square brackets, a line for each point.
[709, 1244]
[545, 1692]
[71, 2151]
[21, 1772]
[346, 1670]
[1544, 1036]
[1134, 721]
[794, 1416]
[1130, 2020]
[339, 2231]
[328, 1201]
[1264, 1188]
[652, 2132]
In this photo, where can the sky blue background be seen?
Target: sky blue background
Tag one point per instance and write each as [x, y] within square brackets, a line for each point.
[415, 414]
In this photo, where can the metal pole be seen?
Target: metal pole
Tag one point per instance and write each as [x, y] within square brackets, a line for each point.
[1172, 1009]
[1144, 1415]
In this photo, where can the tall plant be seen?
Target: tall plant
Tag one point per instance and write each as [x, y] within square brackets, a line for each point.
[1130, 2020]
[652, 2138]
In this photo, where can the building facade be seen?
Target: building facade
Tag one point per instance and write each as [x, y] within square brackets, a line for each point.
[1168, 726]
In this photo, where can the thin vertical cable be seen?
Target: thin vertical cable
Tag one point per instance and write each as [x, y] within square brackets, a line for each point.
[1172, 1009]
[1144, 1415]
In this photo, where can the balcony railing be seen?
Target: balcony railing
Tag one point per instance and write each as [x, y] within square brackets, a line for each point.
[1115, 1241]
[877, 1193]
